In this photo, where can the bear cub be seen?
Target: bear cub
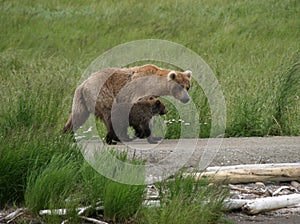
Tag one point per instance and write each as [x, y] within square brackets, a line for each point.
[140, 115]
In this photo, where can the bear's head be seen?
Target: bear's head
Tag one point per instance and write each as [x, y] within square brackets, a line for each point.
[154, 104]
[179, 83]
[157, 106]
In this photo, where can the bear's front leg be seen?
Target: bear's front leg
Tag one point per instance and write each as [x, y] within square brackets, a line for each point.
[150, 138]
[139, 132]
[110, 137]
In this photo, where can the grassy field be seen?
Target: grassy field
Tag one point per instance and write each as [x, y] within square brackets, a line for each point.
[253, 48]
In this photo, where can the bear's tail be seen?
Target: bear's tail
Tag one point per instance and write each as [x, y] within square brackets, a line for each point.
[79, 113]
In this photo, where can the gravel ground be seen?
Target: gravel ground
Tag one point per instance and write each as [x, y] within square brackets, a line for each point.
[214, 152]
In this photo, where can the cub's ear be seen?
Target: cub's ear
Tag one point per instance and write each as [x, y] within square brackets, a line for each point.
[171, 75]
[188, 73]
[157, 102]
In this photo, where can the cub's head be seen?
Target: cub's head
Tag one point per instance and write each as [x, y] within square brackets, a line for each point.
[154, 104]
[158, 107]
[179, 83]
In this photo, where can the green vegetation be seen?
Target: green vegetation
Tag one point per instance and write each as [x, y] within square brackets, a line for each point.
[69, 182]
[186, 201]
[252, 47]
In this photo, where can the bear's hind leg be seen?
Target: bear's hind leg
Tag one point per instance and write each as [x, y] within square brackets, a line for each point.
[68, 128]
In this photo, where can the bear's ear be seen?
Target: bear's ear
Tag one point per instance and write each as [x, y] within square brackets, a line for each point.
[171, 75]
[157, 102]
[188, 73]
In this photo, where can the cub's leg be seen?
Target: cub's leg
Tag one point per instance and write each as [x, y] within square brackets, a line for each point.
[144, 131]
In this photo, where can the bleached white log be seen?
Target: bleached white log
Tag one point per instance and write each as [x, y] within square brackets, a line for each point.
[250, 166]
[271, 203]
[249, 175]
[63, 211]
[232, 204]
[151, 203]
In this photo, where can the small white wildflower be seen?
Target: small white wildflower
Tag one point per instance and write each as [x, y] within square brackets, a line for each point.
[187, 124]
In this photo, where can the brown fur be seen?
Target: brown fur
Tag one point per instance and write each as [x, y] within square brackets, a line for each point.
[97, 93]
[140, 115]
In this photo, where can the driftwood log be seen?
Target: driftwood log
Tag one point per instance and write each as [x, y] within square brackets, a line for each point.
[233, 204]
[252, 173]
[258, 205]
[271, 203]
[251, 166]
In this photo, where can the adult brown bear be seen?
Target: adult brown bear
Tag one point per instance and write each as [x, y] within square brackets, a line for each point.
[97, 94]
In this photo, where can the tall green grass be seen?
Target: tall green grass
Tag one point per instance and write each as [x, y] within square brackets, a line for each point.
[51, 185]
[287, 101]
[22, 155]
[69, 182]
[184, 200]
[248, 45]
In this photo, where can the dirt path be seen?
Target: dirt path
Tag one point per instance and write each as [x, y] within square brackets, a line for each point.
[215, 152]
[196, 154]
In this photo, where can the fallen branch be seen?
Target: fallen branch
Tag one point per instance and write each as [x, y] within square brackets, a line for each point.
[248, 175]
[277, 192]
[93, 220]
[12, 216]
[247, 191]
[270, 203]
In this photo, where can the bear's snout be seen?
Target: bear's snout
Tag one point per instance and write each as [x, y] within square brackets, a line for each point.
[183, 96]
